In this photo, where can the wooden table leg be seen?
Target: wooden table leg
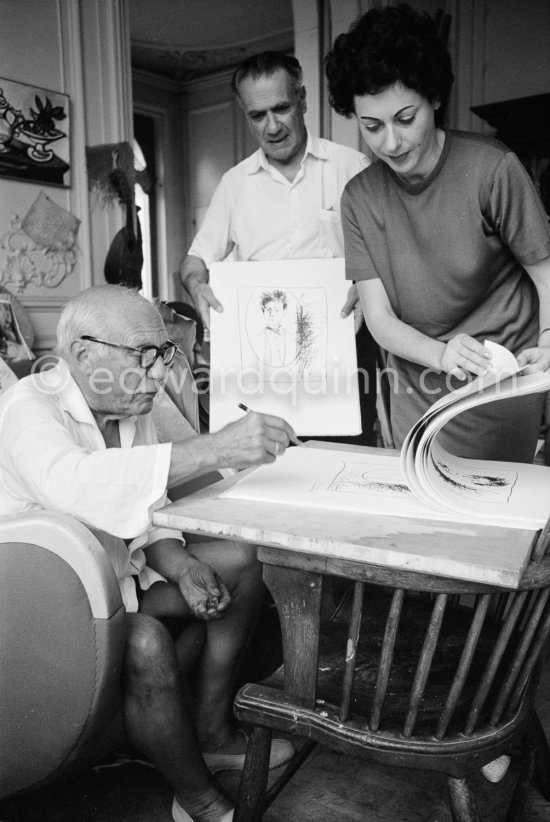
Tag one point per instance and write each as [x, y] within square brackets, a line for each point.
[297, 595]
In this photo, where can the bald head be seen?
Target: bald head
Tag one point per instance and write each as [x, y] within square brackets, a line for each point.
[107, 311]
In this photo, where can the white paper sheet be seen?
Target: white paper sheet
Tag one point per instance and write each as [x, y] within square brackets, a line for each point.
[424, 480]
[333, 479]
[281, 347]
[374, 484]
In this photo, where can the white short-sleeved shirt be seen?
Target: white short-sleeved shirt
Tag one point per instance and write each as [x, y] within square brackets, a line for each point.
[257, 214]
[53, 457]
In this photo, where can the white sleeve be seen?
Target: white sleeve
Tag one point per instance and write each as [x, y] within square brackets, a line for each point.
[213, 242]
[115, 490]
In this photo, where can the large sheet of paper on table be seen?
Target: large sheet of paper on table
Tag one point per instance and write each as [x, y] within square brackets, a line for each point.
[374, 484]
[281, 347]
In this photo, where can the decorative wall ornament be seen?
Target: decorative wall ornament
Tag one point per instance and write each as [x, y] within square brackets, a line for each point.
[40, 248]
[188, 64]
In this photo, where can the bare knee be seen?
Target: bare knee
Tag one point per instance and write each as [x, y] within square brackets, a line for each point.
[245, 569]
[149, 655]
[235, 562]
[245, 557]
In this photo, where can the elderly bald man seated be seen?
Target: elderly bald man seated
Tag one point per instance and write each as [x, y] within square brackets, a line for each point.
[79, 438]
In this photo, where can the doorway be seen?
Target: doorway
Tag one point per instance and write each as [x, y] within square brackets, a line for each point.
[146, 199]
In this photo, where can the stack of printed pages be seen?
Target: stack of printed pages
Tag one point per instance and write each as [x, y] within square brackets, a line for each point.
[424, 480]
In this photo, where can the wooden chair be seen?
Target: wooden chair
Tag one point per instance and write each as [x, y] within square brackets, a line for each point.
[414, 671]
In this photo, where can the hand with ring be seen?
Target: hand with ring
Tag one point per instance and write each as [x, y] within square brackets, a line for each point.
[253, 439]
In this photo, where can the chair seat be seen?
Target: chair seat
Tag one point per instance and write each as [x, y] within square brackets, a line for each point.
[265, 706]
[414, 621]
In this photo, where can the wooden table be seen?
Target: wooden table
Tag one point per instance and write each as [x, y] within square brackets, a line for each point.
[300, 548]
[480, 553]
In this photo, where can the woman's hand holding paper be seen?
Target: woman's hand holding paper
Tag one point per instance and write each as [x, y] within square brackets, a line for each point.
[463, 355]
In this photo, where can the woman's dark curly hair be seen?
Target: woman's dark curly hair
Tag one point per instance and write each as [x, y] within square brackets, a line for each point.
[385, 46]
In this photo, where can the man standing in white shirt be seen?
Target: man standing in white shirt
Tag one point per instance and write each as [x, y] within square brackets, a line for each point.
[282, 202]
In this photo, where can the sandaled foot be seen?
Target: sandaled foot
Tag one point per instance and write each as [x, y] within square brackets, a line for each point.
[496, 770]
[210, 814]
[224, 760]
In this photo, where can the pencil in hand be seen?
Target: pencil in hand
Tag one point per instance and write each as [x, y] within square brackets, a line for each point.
[293, 438]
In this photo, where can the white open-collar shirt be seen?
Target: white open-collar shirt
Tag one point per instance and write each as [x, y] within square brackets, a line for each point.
[53, 457]
[257, 214]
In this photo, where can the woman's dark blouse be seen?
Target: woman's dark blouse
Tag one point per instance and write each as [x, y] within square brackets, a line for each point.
[449, 252]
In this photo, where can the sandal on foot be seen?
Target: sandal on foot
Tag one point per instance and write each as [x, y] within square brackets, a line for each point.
[281, 752]
[181, 815]
[496, 770]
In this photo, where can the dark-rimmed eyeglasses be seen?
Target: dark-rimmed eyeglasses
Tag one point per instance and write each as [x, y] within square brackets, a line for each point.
[148, 354]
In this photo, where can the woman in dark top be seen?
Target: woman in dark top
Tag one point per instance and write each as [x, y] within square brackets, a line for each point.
[444, 234]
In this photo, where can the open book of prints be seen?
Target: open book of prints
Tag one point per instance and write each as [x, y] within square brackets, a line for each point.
[424, 480]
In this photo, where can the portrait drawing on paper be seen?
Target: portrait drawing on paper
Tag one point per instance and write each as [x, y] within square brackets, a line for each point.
[283, 334]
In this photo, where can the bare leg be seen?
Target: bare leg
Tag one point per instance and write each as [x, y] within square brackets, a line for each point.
[165, 600]
[156, 720]
[225, 639]
[189, 646]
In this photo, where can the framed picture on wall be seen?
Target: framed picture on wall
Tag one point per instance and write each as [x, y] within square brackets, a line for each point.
[13, 345]
[34, 134]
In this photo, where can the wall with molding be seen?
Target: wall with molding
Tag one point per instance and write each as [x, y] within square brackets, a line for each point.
[216, 139]
[81, 48]
[78, 48]
[499, 50]
[517, 49]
